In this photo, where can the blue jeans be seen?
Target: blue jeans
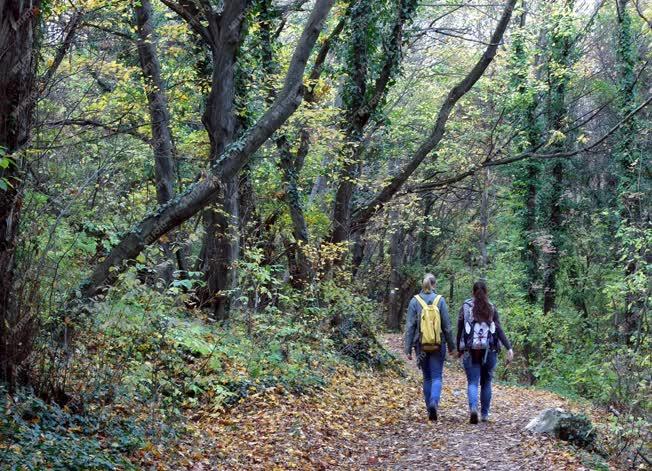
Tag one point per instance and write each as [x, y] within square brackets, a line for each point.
[482, 374]
[433, 369]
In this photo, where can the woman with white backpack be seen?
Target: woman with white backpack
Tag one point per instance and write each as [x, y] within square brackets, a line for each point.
[479, 335]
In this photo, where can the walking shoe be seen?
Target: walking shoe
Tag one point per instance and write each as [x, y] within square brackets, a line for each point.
[474, 417]
[485, 418]
[432, 413]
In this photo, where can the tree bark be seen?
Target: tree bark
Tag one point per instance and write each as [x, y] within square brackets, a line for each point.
[355, 122]
[161, 142]
[394, 297]
[221, 221]
[483, 240]
[291, 165]
[227, 165]
[18, 91]
[221, 248]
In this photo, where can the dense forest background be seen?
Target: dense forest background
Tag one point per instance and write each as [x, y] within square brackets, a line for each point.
[202, 199]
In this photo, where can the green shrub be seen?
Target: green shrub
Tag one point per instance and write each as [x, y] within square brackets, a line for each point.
[36, 435]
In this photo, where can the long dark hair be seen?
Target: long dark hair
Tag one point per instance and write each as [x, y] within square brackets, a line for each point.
[482, 309]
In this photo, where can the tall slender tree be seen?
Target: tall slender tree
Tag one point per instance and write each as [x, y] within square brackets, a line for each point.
[363, 96]
[524, 118]
[162, 144]
[19, 20]
[560, 55]
[633, 180]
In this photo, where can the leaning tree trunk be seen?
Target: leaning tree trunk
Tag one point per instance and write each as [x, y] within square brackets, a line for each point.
[204, 192]
[18, 27]
[361, 107]
[362, 215]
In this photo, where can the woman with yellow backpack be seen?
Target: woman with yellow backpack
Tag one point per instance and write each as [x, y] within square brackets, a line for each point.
[427, 322]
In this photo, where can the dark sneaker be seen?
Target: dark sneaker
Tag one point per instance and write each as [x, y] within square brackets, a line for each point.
[474, 417]
[432, 413]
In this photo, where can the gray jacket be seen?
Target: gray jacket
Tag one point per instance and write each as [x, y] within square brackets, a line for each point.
[412, 323]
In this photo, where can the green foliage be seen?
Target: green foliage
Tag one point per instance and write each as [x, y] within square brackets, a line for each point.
[354, 322]
[5, 163]
[36, 435]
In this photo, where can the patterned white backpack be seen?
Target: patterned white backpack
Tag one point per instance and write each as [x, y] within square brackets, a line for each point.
[477, 335]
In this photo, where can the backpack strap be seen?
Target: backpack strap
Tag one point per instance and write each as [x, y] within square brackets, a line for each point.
[425, 305]
[437, 300]
[468, 312]
[467, 308]
[421, 301]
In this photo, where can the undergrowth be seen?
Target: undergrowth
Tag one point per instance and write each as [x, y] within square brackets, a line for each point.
[145, 364]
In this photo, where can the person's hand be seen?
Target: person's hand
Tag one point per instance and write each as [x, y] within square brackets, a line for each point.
[409, 356]
[510, 355]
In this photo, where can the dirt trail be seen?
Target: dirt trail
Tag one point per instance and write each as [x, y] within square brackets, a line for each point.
[453, 443]
[365, 420]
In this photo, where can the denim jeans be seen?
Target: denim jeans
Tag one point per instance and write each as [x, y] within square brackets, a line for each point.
[480, 374]
[432, 367]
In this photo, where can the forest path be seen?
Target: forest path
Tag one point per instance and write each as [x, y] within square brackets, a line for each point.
[454, 443]
[369, 420]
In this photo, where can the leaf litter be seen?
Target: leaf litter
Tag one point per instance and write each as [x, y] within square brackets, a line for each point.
[369, 420]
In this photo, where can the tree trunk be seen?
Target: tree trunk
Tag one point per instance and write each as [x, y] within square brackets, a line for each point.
[531, 253]
[527, 180]
[394, 296]
[299, 265]
[559, 64]
[483, 240]
[633, 180]
[18, 27]
[227, 165]
[425, 237]
[161, 142]
[220, 244]
[355, 90]
[554, 225]
[164, 167]
[291, 163]
[222, 248]
[360, 107]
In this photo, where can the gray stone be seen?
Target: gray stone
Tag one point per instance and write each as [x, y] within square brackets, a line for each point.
[547, 420]
[573, 428]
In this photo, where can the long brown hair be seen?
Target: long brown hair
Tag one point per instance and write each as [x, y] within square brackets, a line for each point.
[482, 309]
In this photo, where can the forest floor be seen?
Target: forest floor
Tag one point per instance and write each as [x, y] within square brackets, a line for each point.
[366, 420]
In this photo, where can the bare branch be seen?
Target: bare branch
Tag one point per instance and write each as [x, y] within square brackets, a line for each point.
[488, 162]
[364, 214]
[191, 19]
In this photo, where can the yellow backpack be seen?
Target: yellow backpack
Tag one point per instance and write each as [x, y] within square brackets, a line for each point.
[430, 325]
